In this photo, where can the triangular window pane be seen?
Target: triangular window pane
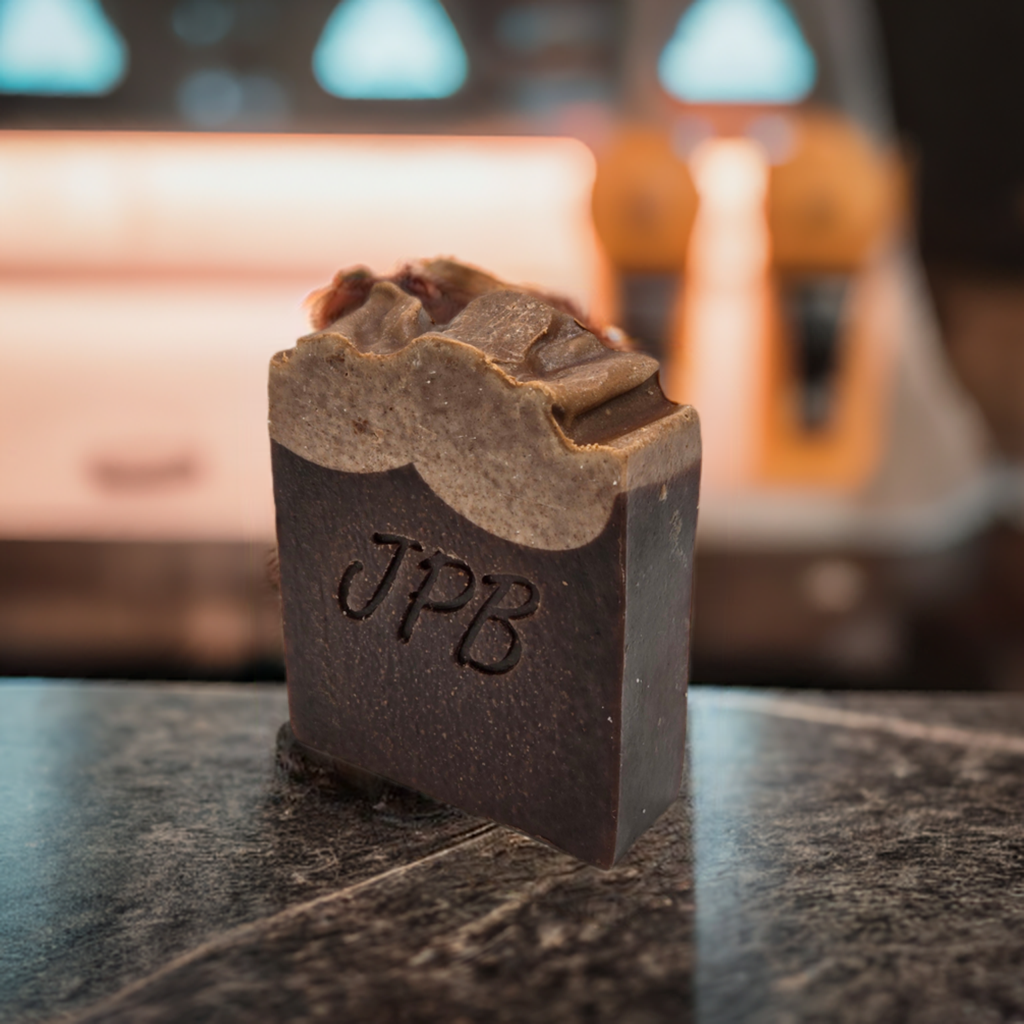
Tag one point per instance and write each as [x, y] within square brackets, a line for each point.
[738, 51]
[59, 48]
[390, 50]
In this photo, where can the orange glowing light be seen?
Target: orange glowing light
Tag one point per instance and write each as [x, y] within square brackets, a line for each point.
[717, 362]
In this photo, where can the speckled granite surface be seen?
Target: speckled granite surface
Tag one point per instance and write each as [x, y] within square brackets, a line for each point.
[859, 857]
[855, 857]
[155, 865]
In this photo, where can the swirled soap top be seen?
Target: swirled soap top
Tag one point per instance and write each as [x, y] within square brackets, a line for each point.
[515, 411]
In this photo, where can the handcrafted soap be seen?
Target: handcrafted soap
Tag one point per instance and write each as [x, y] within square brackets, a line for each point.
[485, 517]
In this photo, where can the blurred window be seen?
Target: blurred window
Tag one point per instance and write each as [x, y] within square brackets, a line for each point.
[738, 51]
[59, 48]
[390, 50]
[352, 66]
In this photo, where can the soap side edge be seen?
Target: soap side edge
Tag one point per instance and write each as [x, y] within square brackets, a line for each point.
[660, 538]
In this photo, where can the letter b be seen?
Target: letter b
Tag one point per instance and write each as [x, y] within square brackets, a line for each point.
[491, 610]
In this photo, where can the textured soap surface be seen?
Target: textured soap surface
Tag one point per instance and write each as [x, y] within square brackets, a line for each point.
[486, 530]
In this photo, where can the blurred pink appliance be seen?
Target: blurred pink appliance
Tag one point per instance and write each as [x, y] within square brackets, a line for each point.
[146, 279]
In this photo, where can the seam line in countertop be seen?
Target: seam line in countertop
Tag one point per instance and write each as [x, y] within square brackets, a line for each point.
[228, 938]
[783, 707]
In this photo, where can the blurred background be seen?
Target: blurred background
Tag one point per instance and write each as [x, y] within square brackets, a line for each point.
[811, 212]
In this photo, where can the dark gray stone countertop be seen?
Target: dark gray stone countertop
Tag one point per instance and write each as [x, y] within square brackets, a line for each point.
[852, 857]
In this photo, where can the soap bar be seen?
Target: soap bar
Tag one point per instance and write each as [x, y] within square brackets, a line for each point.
[485, 519]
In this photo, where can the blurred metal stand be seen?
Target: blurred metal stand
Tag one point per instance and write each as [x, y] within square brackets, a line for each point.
[809, 571]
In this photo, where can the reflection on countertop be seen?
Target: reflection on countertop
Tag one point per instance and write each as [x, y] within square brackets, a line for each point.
[858, 856]
[852, 857]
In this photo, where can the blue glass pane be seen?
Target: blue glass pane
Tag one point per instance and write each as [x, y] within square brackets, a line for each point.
[59, 48]
[738, 51]
[390, 50]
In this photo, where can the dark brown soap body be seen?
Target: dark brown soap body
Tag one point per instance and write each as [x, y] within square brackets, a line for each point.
[485, 516]
[581, 742]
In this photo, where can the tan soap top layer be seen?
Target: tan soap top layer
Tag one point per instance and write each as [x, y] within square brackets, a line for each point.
[513, 410]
